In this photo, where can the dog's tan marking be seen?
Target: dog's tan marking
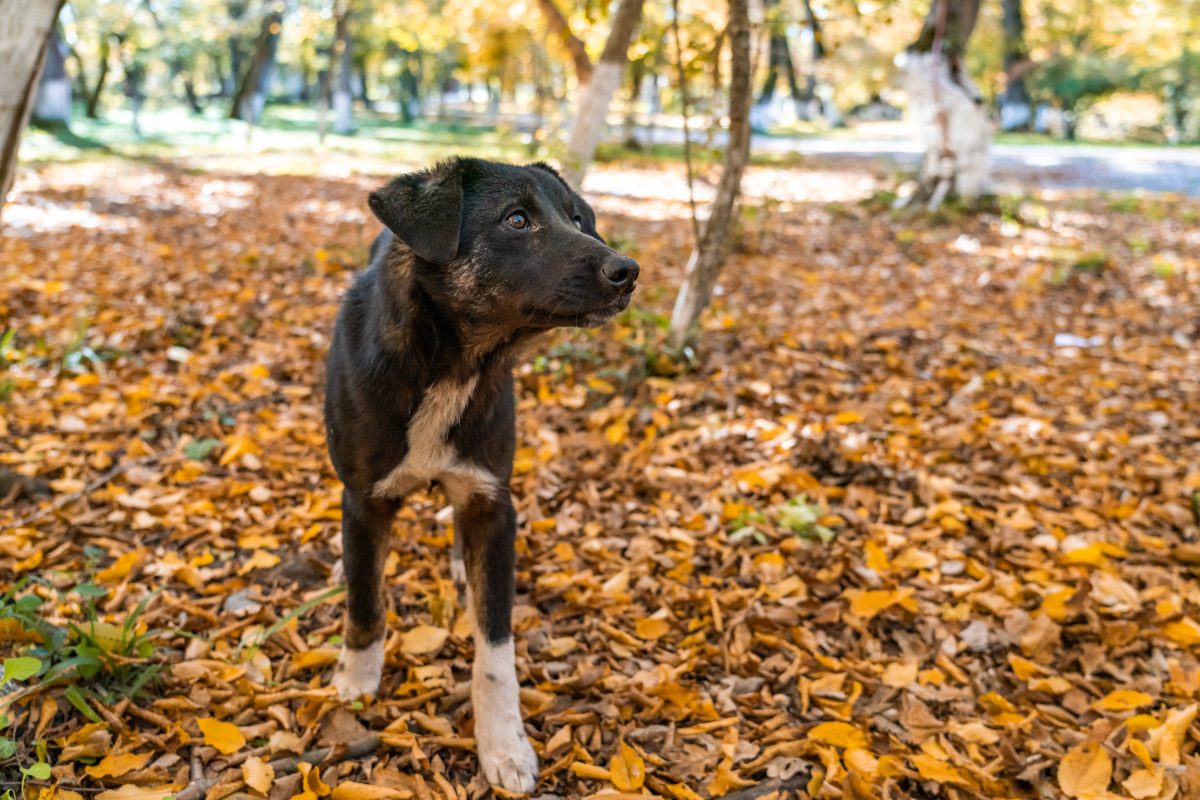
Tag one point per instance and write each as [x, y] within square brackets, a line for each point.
[430, 456]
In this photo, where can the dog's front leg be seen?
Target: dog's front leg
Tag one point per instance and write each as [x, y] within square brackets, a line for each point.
[487, 524]
[366, 533]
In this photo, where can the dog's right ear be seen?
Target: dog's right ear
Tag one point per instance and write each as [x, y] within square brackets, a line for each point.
[424, 209]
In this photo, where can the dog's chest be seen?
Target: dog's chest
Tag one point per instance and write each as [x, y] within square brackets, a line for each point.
[430, 455]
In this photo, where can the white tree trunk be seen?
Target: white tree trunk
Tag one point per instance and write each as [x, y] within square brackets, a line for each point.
[953, 126]
[25, 27]
[343, 118]
[715, 242]
[590, 120]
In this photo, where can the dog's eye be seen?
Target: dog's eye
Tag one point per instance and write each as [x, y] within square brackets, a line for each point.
[517, 221]
[578, 220]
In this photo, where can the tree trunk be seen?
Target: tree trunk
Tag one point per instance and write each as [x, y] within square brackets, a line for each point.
[708, 259]
[559, 27]
[25, 29]
[54, 90]
[946, 107]
[250, 97]
[1015, 101]
[93, 101]
[588, 126]
[343, 87]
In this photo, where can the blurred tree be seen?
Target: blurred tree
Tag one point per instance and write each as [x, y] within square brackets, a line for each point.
[596, 91]
[946, 106]
[712, 249]
[25, 30]
[255, 81]
[1015, 110]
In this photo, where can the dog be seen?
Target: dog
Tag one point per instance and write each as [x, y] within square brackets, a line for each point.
[476, 260]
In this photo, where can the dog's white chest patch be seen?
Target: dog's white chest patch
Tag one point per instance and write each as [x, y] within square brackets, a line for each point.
[430, 456]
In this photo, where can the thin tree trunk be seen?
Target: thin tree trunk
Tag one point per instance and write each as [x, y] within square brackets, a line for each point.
[247, 100]
[343, 88]
[559, 27]
[25, 28]
[589, 123]
[708, 259]
[93, 101]
[1014, 102]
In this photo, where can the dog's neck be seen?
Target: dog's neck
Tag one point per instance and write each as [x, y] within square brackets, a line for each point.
[420, 324]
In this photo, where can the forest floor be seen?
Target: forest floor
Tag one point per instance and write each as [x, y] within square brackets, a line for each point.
[920, 518]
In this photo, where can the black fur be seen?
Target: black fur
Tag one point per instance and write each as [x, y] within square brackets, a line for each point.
[453, 290]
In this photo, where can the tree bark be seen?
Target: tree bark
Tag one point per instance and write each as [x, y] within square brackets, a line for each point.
[25, 29]
[588, 126]
[946, 107]
[1015, 101]
[93, 101]
[343, 90]
[713, 250]
[561, 28]
[251, 92]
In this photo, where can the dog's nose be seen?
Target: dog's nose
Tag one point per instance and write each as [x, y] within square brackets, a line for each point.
[621, 271]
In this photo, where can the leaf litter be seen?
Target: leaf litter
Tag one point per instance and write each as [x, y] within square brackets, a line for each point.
[919, 519]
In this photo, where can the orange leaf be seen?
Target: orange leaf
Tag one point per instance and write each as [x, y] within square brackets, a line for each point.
[627, 768]
[1086, 769]
[224, 736]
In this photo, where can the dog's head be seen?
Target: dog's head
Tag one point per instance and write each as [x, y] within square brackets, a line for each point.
[506, 246]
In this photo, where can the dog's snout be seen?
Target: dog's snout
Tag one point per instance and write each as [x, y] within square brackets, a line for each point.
[620, 271]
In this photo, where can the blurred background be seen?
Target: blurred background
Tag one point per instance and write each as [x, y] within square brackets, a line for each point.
[417, 78]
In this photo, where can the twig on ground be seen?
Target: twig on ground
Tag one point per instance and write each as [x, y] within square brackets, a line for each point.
[768, 786]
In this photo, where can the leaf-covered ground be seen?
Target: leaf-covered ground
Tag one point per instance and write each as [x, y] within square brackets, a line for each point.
[919, 520]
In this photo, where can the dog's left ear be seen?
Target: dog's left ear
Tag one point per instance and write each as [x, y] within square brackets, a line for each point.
[424, 209]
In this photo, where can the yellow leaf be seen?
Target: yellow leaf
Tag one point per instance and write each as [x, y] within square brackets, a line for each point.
[349, 790]
[258, 774]
[1144, 783]
[114, 766]
[1085, 769]
[867, 604]
[317, 657]
[311, 786]
[120, 568]
[848, 417]
[682, 792]
[224, 736]
[973, 732]
[260, 559]
[26, 564]
[627, 769]
[590, 771]
[876, 558]
[726, 780]
[650, 628]
[838, 734]
[1184, 632]
[1122, 700]
[132, 792]
[861, 761]
[933, 769]
[237, 445]
[424, 640]
[900, 673]
[1165, 741]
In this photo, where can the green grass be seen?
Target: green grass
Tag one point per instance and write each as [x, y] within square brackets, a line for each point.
[170, 133]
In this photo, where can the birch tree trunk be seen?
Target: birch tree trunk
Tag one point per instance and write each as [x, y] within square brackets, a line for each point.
[946, 108]
[595, 97]
[708, 259]
[25, 28]
[343, 91]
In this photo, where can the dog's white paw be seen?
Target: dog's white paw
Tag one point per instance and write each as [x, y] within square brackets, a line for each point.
[359, 671]
[507, 760]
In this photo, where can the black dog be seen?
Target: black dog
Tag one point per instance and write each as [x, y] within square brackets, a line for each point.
[478, 258]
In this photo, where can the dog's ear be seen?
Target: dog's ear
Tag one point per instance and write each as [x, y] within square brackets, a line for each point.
[424, 209]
